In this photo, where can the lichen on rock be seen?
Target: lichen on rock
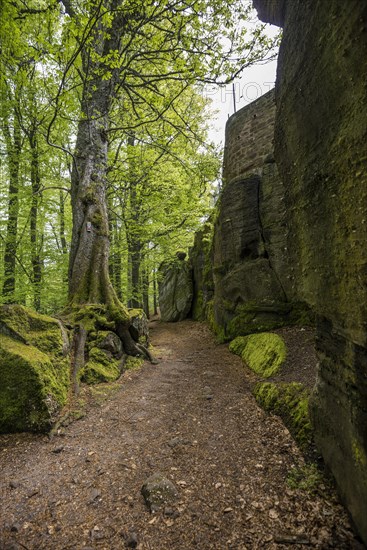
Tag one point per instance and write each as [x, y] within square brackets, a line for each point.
[158, 491]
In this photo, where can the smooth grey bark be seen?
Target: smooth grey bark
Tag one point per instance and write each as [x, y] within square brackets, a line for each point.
[132, 231]
[64, 247]
[155, 293]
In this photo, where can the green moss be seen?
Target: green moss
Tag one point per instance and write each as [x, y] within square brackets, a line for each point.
[95, 338]
[238, 345]
[133, 363]
[359, 454]
[32, 328]
[118, 313]
[33, 387]
[290, 402]
[92, 317]
[97, 219]
[100, 368]
[301, 315]
[308, 478]
[198, 307]
[264, 353]
[136, 312]
[253, 317]
[210, 316]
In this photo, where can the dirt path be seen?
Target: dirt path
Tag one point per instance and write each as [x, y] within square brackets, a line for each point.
[192, 417]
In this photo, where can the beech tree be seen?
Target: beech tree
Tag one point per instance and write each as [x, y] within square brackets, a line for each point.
[159, 185]
[28, 82]
[99, 58]
[128, 47]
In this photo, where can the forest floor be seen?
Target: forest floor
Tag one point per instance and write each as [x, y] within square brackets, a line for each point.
[193, 418]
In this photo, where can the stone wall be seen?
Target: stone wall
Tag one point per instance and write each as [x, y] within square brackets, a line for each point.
[249, 138]
[250, 264]
[320, 149]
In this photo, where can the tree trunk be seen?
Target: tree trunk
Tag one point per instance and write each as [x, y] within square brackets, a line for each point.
[145, 288]
[64, 247]
[89, 279]
[135, 255]
[36, 242]
[155, 293]
[132, 229]
[13, 148]
[77, 359]
[115, 256]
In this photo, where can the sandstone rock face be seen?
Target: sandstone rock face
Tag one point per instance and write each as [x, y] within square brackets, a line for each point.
[320, 150]
[175, 290]
[249, 138]
[250, 264]
[201, 259]
[272, 11]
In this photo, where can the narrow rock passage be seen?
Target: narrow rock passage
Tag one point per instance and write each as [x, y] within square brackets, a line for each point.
[192, 418]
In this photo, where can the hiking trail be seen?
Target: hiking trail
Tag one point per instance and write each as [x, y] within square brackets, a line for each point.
[192, 418]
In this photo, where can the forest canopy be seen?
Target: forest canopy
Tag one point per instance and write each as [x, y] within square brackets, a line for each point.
[106, 167]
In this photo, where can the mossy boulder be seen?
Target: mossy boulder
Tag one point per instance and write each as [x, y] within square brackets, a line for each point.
[32, 328]
[158, 491]
[107, 341]
[238, 345]
[100, 367]
[34, 370]
[175, 289]
[264, 353]
[290, 402]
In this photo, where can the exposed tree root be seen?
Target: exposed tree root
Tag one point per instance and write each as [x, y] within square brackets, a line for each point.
[78, 355]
